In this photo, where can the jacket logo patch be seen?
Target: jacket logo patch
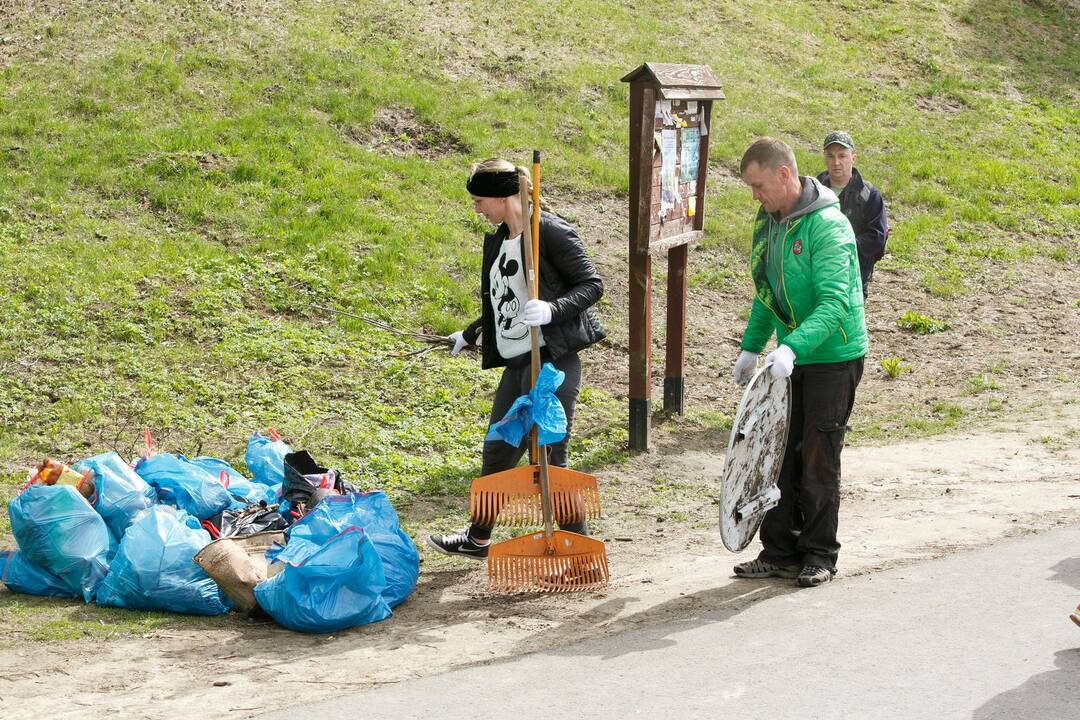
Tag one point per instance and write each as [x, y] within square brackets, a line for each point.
[797, 247]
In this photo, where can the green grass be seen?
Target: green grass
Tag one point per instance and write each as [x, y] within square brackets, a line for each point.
[915, 421]
[921, 324]
[47, 620]
[180, 182]
[894, 367]
[979, 384]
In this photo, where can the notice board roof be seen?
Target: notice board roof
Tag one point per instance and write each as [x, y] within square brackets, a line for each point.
[679, 82]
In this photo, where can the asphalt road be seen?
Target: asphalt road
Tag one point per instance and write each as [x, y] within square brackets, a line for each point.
[977, 635]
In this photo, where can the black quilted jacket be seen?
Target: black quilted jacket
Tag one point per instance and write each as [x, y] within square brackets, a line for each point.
[861, 203]
[568, 280]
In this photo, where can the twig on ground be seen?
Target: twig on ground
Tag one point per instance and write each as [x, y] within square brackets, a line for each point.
[415, 353]
[434, 340]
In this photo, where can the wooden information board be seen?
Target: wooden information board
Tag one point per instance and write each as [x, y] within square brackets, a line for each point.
[670, 123]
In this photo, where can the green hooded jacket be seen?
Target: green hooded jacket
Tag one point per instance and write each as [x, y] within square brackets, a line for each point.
[810, 293]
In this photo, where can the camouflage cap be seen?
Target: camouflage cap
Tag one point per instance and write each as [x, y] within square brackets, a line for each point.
[839, 137]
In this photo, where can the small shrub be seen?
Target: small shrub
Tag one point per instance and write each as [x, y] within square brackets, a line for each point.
[921, 324]
[979, 384]
[894, 367]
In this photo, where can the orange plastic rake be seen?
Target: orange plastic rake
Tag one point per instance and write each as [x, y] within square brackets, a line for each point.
[512, 497]
[551, 560]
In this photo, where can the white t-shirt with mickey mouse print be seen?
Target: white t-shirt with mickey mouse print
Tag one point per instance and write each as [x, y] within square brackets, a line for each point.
[508, 295]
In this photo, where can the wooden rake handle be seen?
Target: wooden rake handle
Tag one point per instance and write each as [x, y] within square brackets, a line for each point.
[531, 236]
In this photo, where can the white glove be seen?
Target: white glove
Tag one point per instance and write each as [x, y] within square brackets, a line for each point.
[459, 342]
[783, 361]
[744, 367]
[537, 312]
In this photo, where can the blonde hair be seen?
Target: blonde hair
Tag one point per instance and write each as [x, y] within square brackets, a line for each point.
[499, 165]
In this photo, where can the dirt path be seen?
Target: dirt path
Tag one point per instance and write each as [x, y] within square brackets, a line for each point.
[902, 504]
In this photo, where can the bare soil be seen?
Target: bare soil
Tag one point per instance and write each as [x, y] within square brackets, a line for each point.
[903, 503]
[1009, 348]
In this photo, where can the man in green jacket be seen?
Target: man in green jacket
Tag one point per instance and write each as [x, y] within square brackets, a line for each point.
[807, 290]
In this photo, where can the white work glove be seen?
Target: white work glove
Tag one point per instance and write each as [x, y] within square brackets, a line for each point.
[459, 342]
[783, 361]
[537, 312]
[744, 367]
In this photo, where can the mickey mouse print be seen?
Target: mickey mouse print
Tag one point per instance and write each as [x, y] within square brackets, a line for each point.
[509, 293]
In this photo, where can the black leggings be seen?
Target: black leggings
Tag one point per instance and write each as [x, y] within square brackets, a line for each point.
[499, 455]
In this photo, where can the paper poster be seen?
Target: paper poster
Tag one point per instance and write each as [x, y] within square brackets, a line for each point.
[688, 161]
[663, 111]
[691, 106]
[669, 187]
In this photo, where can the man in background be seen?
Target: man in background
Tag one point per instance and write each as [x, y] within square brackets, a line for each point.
[860, 202]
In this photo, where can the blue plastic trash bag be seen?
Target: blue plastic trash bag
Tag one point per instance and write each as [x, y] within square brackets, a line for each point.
[326, 588]
[182, 483]
[58, 531]
[373, 512]
[265, 459]
[540, 406]
[239, 486]
[154, 570]
[121, 493]
[23, 576]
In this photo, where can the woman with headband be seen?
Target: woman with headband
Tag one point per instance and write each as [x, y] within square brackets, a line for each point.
[569, 287]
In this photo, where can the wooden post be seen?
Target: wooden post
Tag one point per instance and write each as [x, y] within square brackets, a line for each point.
[642, 102]
[676, 330]
[666, 216]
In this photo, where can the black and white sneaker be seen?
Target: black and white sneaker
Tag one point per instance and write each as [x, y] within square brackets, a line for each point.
[458, 544]
[814, 575]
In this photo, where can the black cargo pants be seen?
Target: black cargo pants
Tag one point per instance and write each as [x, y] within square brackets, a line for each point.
[821, 400]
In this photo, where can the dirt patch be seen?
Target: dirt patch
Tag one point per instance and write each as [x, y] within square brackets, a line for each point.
[902, 504]
[997, 359]
[938, 104]
[724, 172]
[399, 132]
[181, 162]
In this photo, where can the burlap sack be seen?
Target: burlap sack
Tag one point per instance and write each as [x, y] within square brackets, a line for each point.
[237, 565]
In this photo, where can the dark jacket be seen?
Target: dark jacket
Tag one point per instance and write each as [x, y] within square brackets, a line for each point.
[568, 280]
[862, 205]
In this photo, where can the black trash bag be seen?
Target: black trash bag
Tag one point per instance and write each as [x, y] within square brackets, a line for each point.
[303, 476]
[241, 522]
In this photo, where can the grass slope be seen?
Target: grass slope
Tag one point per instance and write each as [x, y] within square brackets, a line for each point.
[181, 181]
